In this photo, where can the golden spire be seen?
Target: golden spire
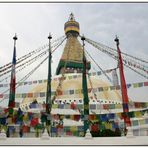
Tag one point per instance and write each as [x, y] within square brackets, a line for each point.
[71, 26]
[73, 52]
[71, 17]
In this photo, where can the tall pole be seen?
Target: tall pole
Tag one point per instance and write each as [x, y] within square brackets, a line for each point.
[48, 93]
[11, 103]
[123, 86]
[85, 90]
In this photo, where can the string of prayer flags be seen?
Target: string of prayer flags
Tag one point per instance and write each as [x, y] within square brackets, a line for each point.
[71, 92]
[135, 85]
[33, 118]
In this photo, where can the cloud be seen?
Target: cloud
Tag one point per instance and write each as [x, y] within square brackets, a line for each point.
[98, 21]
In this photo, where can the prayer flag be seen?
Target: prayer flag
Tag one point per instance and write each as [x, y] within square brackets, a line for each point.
[34, 122]
[105, 106]
[95, 127]
[142, 122]
[128, 85]
[40, 81]
[24, 95]
[140, 84]
[103, 117]
[146, 121]
[135, 85]
[42, 94]
[99, 73]
[111, 106]
[73, 128]
[137, 104]
[77, 91]
[100, 89]
[30, 95]
[105, 88]
[34, 82]
[30, 82]
[1, 95]
[93, 106]
[112, 87]
[111, 116]
[145, 83]
[117, 87]
[135, 122]
[71, 92]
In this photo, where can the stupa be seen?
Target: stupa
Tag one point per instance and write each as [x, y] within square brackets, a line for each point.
[71, 64]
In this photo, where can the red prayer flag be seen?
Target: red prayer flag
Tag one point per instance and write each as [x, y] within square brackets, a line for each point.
[95, 127]
[145, 83]
[34, 122]
[1, 95]
[25, 129]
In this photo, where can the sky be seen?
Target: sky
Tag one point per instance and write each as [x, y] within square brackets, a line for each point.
[98, 21]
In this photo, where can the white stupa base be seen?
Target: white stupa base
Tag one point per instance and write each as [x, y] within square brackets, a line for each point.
[45, 135]
[88, 134]
[3, 135]
[130, 132]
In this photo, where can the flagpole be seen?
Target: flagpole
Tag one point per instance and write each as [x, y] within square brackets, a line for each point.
[48, 93]
[15, 38]
[123, 87]
[85, 90]
[11, 104]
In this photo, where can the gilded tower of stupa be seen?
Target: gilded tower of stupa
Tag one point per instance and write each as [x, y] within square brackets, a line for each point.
[72, 57]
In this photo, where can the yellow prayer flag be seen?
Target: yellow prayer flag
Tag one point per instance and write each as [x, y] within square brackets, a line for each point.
[54, 106]
[142, 122]
[105, 88]
[135, 85]
[73, 128]
[110, 126]
[106, 125]
[118, 106]
[25, 117]
[77, 91]
[72, 117]
[138, 114]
